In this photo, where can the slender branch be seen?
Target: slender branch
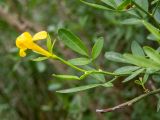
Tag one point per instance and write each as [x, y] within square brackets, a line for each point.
[130, 102]
[153, 88]
[14, 21]
[105, 72]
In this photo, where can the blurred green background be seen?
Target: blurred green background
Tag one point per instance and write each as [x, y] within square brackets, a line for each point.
[27, 89]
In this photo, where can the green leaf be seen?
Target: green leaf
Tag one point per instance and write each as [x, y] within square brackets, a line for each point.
[151, 70]
[72, 41]
[151, 37]
[143, 4]
[130, 21]
[136, 49]
[118, 2]
[126, 69]
[96, 50]
[133, 13]
[110, 3]
[96, 5]
[66, 77]
[99, 77]
[152, 54]
[40, 59]
[77, 89]
[41, 67]
[116, 57]
[86, 87]
[80, 61]
[145, 78]
[152, 29]
[157, 13]
[141, 61]
[136, 73]
[52, 46]
[49, 43]
[107, 84]
[54, 86]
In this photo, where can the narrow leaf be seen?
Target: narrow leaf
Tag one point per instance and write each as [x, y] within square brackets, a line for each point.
[141, 61]
[136, 73]
[145, 78]
[99, 77]
[143, 4]
[152, 29]
[77, 89]
[72, 41]
[79, 61]
[96, 5]
[52, 46]
[40, 59]
[152, 54]
[96, 50]
[157, 13]
[110, 3]
[66, 77]
[107, 84]
[131, 21]
[54, 86]
[116, 57]
[126, 69]
[136, 49]
[151, 37]
[49, 43]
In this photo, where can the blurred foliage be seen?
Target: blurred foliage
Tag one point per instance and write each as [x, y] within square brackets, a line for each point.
[27, 89]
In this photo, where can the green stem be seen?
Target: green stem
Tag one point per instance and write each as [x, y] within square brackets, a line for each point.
[115, 78]
[87, 73]
[67, 63]
[104, 72]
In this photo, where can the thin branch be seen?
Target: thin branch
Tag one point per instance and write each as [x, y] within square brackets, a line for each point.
[20, 25]
[129, 103]
[153, 88]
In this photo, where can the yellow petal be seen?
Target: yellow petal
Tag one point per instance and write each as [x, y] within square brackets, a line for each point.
[22, 53]
[22, 39]
[40, 35]
[40, 50]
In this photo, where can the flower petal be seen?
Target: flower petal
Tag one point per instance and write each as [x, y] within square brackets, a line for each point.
[22, 53]
[40, 50]
[26, 36]
[40, 35]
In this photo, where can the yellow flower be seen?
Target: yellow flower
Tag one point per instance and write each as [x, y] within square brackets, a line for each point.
[26, 41]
